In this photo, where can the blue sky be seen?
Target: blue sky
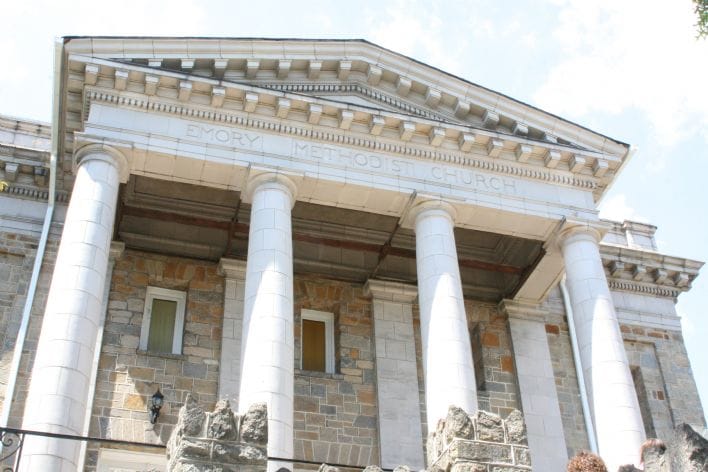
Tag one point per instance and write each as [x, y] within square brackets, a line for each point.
[631, 69]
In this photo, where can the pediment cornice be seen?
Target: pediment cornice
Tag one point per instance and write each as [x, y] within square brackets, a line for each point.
[312, 109]
[314, 60]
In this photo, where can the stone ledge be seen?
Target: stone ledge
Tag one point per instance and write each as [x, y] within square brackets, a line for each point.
[319, 375]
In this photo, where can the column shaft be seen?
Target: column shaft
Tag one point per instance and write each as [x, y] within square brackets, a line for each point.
[447, 355]
[61, 374]
[267, 359]
[611, 393]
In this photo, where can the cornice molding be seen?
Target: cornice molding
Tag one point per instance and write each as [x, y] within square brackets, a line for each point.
[384, 98]
[654, 290]
[648, 271]
[349, 56]
[333, 135]
[35, 193]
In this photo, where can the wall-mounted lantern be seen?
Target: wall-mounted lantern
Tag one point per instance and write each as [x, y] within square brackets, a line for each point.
[156, 402]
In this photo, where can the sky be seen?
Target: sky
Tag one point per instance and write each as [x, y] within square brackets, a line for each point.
[630, 69]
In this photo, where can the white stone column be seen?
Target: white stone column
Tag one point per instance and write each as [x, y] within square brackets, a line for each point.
[400, 432]
[447, 354]
[234, 272]
[608, 381]
[267, 354]
[61, 375]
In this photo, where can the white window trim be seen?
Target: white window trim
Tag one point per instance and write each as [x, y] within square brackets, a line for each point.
[164, 294]
[328, 320]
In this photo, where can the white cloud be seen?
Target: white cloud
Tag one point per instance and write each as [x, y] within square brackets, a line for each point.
[402, 29]
[616, 208]
[687, 324]
[631, 54]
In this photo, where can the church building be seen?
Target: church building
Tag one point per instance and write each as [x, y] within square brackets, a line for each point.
[351, 236]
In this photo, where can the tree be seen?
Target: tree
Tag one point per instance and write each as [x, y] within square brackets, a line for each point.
[701, 10]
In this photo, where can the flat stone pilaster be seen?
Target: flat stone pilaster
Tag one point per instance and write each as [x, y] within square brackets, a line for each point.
[447, 354]
[234, 272]
[537, 386]
[267, 353]
[61, 375]
[400, 430]
[608, 380]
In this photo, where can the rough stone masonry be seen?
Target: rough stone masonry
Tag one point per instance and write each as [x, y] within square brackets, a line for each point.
[220, 440]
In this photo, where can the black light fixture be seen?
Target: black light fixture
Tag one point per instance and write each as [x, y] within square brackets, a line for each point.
[156, 402]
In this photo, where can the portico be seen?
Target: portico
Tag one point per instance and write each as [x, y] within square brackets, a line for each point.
[282, 186]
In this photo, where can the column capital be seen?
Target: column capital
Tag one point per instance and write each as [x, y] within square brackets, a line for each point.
[232, 268]
[427, 206]
[570, 230]
[390, 291]
[106, 153]
[259, 177]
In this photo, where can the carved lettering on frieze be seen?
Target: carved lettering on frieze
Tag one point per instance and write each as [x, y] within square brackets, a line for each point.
[354, 159]
[404, 168]
[225, 136]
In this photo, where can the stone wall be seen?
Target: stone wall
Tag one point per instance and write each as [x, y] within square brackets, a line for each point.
[671, 393]
[335, 414]
[497, 390]
[127, 377]
[571, 407]
[17, 252]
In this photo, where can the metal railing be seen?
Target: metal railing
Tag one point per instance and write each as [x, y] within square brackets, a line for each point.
[12, 441]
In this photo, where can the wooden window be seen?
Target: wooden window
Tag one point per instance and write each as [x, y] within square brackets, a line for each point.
[163, 321]
[317, 341]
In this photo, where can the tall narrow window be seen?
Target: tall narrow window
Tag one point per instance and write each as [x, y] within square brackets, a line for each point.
[317, 341]
[163, 321]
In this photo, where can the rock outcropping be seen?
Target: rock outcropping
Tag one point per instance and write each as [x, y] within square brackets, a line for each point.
[221, 440]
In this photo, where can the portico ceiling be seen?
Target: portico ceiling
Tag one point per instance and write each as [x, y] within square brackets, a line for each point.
[193, 221]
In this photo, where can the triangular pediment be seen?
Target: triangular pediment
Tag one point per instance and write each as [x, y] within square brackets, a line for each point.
[354, 86]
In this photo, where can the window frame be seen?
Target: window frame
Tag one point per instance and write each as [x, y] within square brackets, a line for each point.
[177, 296]
[328, 319]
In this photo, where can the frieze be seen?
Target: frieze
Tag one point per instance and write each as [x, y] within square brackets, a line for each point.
[345, 158]
[462, 159]
[404, 168]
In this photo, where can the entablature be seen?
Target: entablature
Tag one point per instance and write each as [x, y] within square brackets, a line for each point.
[416, 129]
[648, 272]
